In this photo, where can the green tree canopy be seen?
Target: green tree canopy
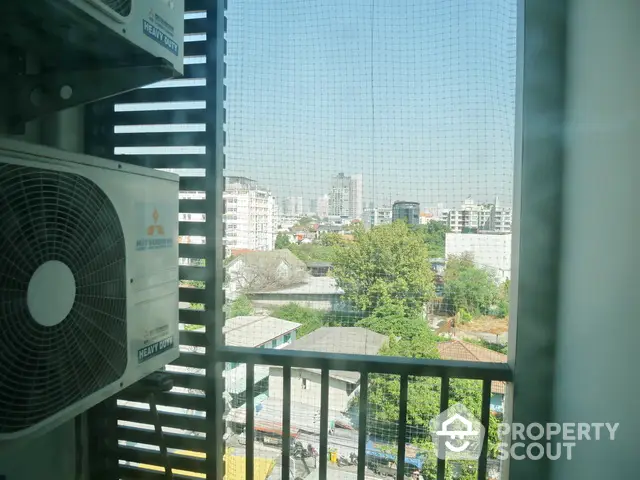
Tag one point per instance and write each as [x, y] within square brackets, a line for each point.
[387, 265]
[434, 235]
[240, 306]
[282, 241]
[467, 287]
[309, 318]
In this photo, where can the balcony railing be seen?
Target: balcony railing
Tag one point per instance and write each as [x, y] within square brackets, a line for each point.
[365, 366]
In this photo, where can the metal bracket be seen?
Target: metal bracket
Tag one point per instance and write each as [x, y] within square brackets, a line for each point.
[29, 96]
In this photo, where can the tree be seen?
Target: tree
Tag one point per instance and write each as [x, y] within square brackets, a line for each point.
[434, 235]
[330, 239]
[282, 241]
[240, 306]
[411, 337]
[309, 252]
[309, 318]
[387, 265]
[467, 287]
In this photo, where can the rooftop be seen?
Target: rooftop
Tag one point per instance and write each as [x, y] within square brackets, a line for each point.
[313, 285]
[348, 340]
[469, 352]
[269, 260]
[255, 330]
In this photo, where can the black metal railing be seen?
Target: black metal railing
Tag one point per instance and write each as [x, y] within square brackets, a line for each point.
[365, 365]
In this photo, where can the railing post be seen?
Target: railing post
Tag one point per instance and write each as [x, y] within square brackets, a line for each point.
[444, 404]
[402, 424]
[362, 424]
[286, 421]
[324, 423]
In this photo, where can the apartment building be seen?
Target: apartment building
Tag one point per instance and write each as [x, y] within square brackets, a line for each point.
[377, 216]
[345, 197]
[472, 217]
[249, 215]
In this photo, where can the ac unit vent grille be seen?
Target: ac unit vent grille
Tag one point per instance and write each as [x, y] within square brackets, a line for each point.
[62, 218]
[121, 7]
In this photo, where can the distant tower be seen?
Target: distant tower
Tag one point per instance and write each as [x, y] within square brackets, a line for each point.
[407, 211]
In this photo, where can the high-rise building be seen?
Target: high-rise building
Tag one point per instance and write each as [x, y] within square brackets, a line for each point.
[471, 217]
[407, 211]
[377, 216]
[249, 215]
[355, 197]
[345, 197]
[322, 206]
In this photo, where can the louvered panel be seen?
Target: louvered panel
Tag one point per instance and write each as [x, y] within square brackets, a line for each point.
[193, 273]
[192, 381]
[165, 161]
[173, 420]
[184, 93]
[129, 472]
[193, 295]
[150, 457]
[191, 360]
[192, 183]
[192, 317]
[193, 206]
[171, 399]
[196, 339]
[176, 124]
[141, 435]
[160, 138]
[191, 250]
[198, 229]
[174, 113]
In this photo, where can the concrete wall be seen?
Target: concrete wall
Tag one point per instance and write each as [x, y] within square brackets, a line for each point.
[492, 252]
[338, 396]
[599, 328]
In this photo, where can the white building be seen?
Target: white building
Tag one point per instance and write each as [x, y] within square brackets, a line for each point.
[377, 216]
[249, 215]
[345, 197]
[490, 251]
[484, 217]
[322, 206]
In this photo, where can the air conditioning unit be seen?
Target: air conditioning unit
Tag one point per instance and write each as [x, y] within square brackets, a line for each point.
[156, 26]
[81, 51]
[88, 282]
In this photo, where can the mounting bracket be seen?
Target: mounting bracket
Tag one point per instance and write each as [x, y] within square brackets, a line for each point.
[26, 97]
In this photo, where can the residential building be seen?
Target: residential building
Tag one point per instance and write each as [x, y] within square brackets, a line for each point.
[426, 217]
[345, 197]
[249, 215]
[490, 251]
[264, 271]
[469, 352]
[320, 293]
[355, 197]
[305, 383]
[471, 217]
[377, 216]
[407, 211]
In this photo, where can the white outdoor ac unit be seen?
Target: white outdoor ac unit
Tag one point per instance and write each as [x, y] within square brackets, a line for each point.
[156, 26]
[88, 282]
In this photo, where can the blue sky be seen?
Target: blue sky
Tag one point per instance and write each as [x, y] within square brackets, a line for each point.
[417, 95]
